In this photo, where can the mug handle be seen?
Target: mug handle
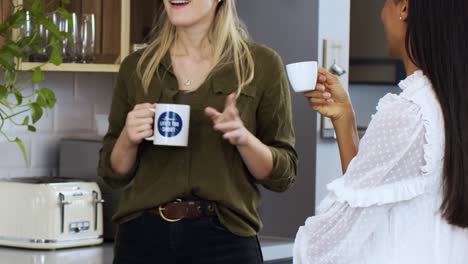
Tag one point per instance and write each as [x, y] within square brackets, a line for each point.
[152, 137]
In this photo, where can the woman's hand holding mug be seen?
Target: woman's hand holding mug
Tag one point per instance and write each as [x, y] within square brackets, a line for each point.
[139, 123]
[329, 98]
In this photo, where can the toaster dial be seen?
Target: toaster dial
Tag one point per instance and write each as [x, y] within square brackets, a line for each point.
[78, 227]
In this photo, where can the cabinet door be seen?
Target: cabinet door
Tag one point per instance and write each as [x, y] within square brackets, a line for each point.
[111, 26]
[5, 9]
[1, 11]
[108, 23]
[143, 15]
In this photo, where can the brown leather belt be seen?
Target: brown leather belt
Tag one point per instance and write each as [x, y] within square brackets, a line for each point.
[178, 210]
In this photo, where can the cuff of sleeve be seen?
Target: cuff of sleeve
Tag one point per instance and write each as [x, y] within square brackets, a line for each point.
[112, 178]
[282, 175]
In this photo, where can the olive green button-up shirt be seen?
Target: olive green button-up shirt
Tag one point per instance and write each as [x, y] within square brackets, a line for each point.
[210, 167]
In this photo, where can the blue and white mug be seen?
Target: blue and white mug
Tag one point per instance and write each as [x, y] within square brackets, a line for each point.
[171, 125]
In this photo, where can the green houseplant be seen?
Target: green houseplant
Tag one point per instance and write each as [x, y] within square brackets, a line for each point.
[20, 106]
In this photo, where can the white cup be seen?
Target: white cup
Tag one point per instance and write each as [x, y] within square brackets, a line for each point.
[102, 124]
[171, 125]
[303, 76]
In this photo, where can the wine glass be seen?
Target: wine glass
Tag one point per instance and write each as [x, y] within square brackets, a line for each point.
[27, 31]
[87, 38]
[69, 51]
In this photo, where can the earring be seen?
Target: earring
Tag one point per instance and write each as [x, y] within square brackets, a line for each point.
[401, 18]
[219, 1]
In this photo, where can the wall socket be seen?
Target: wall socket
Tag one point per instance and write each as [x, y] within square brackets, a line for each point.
[333, 52]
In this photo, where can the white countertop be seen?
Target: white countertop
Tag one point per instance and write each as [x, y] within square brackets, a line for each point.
[273, 249]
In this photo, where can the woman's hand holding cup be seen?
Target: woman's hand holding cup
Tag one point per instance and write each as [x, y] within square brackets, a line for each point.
[139, 123]
[329, 98]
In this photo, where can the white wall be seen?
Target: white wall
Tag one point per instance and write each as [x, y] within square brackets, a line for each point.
[334, 23]
[80, 96]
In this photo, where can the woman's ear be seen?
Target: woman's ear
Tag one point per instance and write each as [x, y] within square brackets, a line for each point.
[403, 7]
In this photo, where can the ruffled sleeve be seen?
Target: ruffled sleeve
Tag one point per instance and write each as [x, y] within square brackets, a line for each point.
[400, 158]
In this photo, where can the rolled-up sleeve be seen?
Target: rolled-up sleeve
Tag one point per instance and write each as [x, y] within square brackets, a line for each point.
[275, 127]
[121, 105]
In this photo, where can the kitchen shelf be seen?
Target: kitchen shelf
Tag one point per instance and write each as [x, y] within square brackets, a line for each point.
[111, 41]
[71, 67]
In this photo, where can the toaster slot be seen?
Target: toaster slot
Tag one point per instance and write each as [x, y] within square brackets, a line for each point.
[63, 203]
[97, 201]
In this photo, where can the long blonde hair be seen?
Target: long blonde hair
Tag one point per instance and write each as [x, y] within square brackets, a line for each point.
[228, 37]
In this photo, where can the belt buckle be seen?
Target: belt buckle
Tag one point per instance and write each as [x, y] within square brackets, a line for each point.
[161, 213]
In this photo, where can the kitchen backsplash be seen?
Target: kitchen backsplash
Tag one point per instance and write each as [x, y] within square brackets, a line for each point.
[79, 97]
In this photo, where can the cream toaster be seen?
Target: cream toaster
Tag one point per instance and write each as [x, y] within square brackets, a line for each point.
[50, 213]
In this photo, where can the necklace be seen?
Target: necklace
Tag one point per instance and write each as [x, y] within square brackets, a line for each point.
[187, 83]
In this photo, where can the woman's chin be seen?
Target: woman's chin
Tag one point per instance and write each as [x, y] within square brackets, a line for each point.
[183, 22]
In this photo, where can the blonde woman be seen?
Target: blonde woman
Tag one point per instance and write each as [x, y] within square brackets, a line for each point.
[241, 136]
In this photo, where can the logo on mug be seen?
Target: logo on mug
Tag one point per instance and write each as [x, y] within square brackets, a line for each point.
[169, 124]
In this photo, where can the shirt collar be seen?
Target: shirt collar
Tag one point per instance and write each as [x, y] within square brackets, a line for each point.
[167, 63]
[414, 80]
[223, 78]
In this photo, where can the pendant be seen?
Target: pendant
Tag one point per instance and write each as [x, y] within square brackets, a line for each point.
[187, 83]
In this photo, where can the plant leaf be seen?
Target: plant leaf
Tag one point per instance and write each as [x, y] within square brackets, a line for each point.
[52, 28]
[37, 75]
[14, 49]
[7, 60]
[26, 41]
[3, 28]
[66, 1]
[17, 19]
[20, 144]
[32, 129]
[18, 96]
[25, 121]
[45, 98]
[37, 7]
[36, 112]
[56, 55]
[64, 13]
[3, 92]
[9, 78]
[40, 100]
[48, 96]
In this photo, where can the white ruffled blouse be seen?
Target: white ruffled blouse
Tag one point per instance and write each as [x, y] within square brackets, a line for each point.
[385, 209]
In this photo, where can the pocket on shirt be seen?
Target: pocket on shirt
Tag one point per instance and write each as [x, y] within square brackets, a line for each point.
[249, 92]
[246, 103]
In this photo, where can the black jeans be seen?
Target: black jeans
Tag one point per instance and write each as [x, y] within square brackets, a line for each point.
[151, 240]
